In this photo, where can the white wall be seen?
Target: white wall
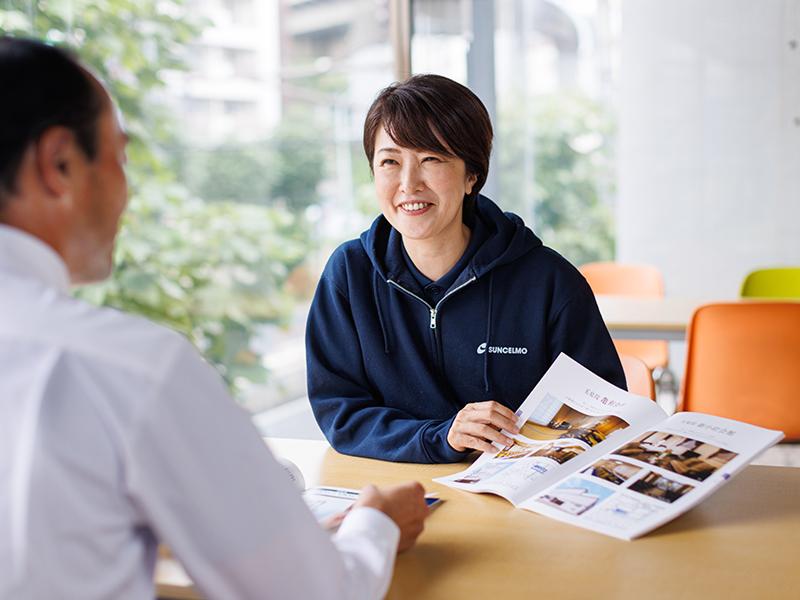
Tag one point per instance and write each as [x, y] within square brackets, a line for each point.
[709, 140]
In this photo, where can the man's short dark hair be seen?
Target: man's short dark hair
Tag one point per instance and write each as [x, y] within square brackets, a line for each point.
[431, 112]
[42, 86]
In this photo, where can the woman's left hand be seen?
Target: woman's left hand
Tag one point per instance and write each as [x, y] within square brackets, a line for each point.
[478, 424]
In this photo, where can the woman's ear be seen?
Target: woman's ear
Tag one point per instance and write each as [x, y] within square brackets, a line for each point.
[470, 183]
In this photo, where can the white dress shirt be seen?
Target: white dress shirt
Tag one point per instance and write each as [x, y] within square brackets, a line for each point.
[115, 434]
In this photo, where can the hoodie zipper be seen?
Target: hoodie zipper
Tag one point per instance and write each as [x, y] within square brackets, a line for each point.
[434, 311]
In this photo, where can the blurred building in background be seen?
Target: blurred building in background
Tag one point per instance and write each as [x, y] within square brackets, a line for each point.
[231, 89]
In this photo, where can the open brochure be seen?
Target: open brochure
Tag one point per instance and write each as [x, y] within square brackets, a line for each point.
[593, 455]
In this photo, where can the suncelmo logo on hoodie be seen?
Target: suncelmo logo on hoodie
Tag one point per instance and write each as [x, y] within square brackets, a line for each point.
[483, 348]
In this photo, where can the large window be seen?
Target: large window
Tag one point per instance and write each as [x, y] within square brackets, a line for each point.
[678, 120]
[246, 163]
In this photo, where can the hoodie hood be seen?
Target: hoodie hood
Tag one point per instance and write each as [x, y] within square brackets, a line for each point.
[507, 239]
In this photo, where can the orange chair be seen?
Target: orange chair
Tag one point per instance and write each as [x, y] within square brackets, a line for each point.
[743, 361]
[640, 281]
[639, 377]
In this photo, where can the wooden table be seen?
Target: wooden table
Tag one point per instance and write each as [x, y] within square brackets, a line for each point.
[647, 318]
[742, 542]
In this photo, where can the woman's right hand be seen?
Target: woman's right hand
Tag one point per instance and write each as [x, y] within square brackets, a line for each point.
[478, 424]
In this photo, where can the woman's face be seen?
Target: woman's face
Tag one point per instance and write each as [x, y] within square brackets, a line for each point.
[421, 193]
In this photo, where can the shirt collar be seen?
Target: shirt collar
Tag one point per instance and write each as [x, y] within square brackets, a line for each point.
[24, 255]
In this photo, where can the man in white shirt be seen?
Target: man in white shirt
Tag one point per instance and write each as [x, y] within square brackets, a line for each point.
[114, 433]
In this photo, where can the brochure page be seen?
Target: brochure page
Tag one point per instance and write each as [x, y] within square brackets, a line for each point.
[654, 477]
[570, 419]
[329, 505]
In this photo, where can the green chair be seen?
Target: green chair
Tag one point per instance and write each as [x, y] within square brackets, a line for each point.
[783, 283]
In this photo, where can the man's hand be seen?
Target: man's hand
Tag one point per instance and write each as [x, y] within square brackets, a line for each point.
[404, 504]
[477, 425]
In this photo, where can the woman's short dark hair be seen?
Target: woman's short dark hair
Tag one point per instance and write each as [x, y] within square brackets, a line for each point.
[42, 86]
[431, 112]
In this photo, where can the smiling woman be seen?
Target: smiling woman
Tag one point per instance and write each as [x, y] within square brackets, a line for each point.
[397, 333]
[421, 194]
[424, 172]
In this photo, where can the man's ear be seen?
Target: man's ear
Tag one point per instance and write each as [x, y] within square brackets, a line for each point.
[55, 155]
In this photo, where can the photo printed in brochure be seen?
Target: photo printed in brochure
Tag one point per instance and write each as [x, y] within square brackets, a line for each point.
[682, 455]
[576, 496]
[613, 471]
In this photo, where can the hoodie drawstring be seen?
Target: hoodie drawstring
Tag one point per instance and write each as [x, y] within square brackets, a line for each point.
[375, 294]
[488, 334]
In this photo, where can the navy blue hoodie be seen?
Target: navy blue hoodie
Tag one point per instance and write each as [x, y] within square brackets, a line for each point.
[388, 371]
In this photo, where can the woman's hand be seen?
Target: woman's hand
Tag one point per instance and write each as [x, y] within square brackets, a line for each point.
[478, 424]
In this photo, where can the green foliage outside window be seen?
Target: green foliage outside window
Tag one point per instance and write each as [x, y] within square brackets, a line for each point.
[213, 271]
[283, 170]
[557, 171]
